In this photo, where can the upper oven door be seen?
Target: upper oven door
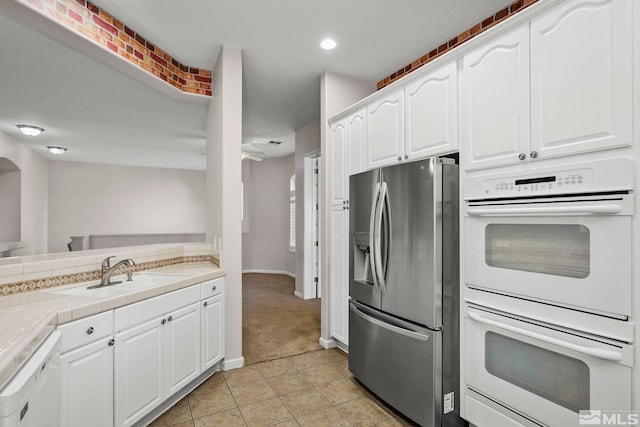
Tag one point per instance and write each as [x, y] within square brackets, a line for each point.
[573, 252]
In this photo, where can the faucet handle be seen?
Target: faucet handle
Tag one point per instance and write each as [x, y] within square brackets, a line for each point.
[106, 264]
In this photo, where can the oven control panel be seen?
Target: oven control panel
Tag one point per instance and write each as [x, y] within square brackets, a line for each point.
[558, 182]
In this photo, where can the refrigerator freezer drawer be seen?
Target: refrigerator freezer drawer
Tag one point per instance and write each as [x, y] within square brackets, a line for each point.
[398, 361]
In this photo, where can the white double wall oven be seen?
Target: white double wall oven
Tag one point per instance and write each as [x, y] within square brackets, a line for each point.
[548, 298]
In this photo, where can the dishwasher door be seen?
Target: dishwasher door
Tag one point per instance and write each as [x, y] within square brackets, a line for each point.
[32, 397]
[398, 361]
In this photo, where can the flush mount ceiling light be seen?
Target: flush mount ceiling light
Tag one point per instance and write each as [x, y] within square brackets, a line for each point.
[30, 130]
[56, 150]
[328, 44]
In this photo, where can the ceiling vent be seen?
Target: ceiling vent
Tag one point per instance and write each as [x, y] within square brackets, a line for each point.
[275, 142]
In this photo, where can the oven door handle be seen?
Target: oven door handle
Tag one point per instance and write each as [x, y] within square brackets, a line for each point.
[576, 210]
[589, 351]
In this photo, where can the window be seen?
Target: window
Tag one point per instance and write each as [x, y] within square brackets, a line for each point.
[292, 213]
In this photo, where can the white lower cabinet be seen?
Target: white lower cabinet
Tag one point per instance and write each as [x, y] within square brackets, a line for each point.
[157, 352]
[86, 372]
[212, 331]
[86, 385]
[339, 274]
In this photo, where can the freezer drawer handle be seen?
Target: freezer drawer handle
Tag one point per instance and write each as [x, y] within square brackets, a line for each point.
[580, 210]
[403, 331]
[589, 351]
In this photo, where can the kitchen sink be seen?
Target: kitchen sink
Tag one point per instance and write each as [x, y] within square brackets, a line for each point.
[121, 285]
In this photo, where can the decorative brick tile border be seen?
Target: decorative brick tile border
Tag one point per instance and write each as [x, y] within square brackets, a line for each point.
[93, 23]
[480, 27]
[68, 279]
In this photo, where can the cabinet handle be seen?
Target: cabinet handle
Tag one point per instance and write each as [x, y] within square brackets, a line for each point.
[164, 321]
[399, 158]
[522, 156]
[90, 330]
[206, 303]
[214, 288]
[111, 342]
[406, 156]
[533, 154]
[170, 318]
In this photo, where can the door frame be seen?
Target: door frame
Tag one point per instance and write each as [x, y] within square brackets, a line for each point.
[311, 281]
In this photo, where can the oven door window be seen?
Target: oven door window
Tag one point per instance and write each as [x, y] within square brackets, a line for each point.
[556, 249]
[553, 376]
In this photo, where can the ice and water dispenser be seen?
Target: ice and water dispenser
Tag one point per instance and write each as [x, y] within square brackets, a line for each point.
[361, 262]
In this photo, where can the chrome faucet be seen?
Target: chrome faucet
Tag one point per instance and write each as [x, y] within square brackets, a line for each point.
[108, 270]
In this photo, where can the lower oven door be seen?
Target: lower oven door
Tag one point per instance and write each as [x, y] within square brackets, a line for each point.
[544, 374]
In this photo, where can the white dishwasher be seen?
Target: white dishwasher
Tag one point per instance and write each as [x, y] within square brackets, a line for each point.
[32, 397]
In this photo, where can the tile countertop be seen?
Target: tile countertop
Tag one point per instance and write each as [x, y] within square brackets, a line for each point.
[27, 319]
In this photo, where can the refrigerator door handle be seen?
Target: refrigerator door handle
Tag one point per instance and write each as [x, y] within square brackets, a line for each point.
[372, 245]
[384, 230]
[393, 328]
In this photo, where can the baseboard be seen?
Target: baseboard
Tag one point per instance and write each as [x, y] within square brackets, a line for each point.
[330, 343]
[286, 273]
[229, 364]
[298, 294]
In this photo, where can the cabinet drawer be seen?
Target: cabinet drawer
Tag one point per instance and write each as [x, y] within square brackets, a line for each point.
[142, 311]
[84, 331]
[211, 288]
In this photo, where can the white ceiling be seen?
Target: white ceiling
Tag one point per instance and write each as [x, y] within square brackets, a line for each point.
[103, 115]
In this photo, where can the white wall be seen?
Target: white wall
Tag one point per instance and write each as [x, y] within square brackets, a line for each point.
[307, 142]
[267, 242]
[223, 178]
[9, 201]
[89, 198]
[337, 92]
[33, 201]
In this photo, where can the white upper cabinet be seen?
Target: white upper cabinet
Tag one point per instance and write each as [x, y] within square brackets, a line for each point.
[581, 77]
[356, 132]
[496, 101]
[385, 130]
[431, 113]
[338, 166]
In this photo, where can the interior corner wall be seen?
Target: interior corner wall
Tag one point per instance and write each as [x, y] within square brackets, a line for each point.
[307, 142]
[223, 187]
[267, 187]
[128, 200]
[33, 192]
[337, 92]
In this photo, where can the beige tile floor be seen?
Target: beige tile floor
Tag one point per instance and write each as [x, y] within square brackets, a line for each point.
[310, 389]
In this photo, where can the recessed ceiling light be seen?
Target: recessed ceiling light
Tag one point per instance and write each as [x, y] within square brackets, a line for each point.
[30, 130]
[328, 44]
[56, 150]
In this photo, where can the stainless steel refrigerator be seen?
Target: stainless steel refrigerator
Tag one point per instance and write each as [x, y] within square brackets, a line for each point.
[403, 288]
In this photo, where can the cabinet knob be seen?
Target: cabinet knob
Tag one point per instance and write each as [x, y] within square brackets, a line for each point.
[90, 330]
[111, 342]
[399, 158]
[533, 154]
[522, 156]
[406, 156]
[214, 288]
[164, 321]
[170, 318]
[206, 303]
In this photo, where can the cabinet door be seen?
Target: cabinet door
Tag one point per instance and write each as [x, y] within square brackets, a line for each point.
[581, 91]
[339, 274]
[339, 163]
[385, 130]
[182, 335]
[496, 101]
[356, 137]
[431, 111]
[86, 385]
[212, 331]
[139, 371]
